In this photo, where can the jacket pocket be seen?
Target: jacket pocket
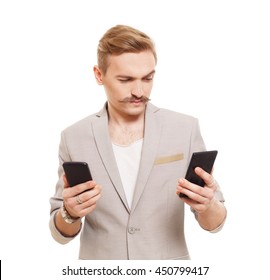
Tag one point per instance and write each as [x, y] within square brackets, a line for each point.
[168, 159]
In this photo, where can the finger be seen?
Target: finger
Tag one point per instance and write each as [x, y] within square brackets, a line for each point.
[194, 192]
[85, 207]
[88, 210]
[78, 189]
[188, 186]
[87, 195]
[93, 200]
[207, 177]
[84, 187]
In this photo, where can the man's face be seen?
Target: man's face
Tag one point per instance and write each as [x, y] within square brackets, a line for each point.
[128, 82]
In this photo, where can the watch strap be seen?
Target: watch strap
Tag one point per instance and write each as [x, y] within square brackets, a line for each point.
[66, 217]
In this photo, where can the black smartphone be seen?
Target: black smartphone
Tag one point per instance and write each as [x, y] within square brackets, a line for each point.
[205, 160]
[76, 172]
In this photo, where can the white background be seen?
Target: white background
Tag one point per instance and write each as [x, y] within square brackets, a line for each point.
[213, 63]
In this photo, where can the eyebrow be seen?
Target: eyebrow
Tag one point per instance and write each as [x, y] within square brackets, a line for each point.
[130, 77]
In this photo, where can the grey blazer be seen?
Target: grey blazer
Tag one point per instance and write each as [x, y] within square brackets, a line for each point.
[154, 226]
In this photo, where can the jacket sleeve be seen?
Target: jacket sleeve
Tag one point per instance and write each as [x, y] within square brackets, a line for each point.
[197, 144]
[56, 201]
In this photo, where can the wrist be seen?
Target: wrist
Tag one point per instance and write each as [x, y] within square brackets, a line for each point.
[66, 216]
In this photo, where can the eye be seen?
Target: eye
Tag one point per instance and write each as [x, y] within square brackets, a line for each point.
[124, 80]
[149, 78]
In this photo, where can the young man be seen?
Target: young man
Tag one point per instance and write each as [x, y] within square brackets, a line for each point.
[138, 155]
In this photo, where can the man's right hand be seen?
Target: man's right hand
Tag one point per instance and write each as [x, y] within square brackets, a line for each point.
[81, 200]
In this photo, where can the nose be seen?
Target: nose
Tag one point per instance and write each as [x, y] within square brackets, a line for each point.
[137, 90]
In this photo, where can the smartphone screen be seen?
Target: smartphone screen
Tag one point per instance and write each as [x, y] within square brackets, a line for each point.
[205, 160]
[76, 172]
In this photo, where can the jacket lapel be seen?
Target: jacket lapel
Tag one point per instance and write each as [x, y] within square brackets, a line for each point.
[104, 146]
[152, 132]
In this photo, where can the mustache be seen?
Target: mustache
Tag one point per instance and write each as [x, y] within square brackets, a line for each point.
[135, 98]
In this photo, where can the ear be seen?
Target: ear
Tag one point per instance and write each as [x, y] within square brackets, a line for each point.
[98, 75]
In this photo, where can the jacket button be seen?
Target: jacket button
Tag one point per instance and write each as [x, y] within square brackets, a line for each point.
[132, 230]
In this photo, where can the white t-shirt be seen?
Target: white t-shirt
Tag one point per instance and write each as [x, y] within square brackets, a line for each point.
[128, 162]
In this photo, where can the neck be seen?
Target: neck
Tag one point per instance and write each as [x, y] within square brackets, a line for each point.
[125, 131]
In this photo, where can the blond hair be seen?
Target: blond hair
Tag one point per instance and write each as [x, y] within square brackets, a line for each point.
[122, 39]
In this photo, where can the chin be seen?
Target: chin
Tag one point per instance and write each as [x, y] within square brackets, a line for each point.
[136, 110]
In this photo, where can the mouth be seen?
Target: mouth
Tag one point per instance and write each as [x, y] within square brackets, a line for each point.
[137, 101]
